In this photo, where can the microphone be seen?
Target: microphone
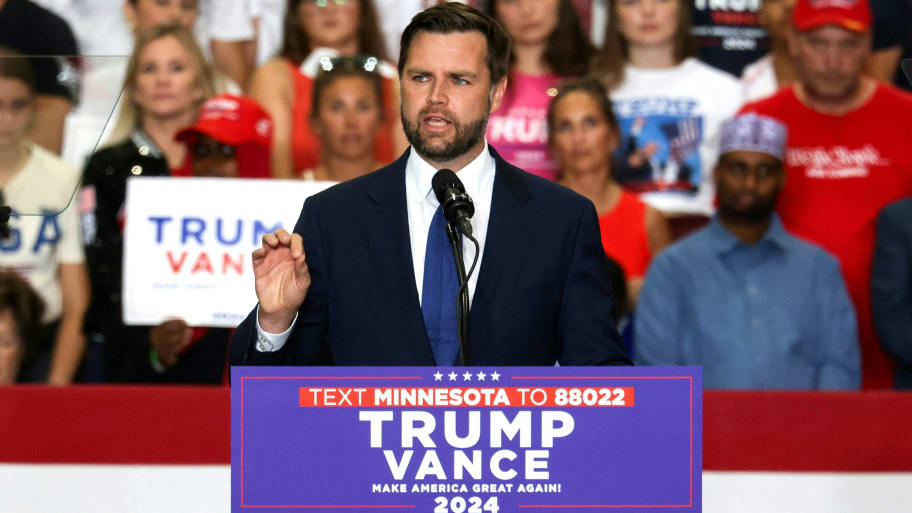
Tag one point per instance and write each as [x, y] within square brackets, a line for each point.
[457, 205]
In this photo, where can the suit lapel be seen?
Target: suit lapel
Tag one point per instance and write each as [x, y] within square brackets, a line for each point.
[507, 244]
[385, 228]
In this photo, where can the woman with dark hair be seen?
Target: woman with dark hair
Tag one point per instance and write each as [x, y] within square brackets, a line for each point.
[316, 30]
[21, 310]
[346, 115]
[670, 107]
[549, 44]
[44, 244]
[583, 133]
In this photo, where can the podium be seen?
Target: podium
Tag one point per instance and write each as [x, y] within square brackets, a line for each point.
[466, 439]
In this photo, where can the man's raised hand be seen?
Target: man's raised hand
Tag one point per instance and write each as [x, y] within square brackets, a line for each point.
[282, 279]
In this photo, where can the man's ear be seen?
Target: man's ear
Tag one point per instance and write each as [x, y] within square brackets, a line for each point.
[791, 37]
[497, 95]
[715, 173]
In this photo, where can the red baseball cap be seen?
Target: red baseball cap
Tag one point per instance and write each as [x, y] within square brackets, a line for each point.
[237, 121]
[233, 120]
[854, 15]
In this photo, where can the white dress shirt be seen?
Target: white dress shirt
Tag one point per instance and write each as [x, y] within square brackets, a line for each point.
[421, 203]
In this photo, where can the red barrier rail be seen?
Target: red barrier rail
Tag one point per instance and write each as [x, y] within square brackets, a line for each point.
[780, 431]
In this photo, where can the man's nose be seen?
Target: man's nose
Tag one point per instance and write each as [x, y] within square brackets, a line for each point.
[833, 58]
[438, 92]
[750, 179]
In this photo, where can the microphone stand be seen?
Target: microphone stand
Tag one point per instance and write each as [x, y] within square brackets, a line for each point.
[462, 304]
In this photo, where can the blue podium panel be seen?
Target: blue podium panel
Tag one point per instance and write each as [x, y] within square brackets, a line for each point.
[466, 440]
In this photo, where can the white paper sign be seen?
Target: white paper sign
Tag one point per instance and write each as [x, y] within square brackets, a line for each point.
[187, 245]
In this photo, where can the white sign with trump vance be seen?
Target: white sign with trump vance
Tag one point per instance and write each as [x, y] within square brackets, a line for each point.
[188, 241]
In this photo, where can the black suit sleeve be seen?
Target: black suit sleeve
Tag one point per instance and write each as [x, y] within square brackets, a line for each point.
[891, 282]
[891, 21]
[588, 334]
[306, 344]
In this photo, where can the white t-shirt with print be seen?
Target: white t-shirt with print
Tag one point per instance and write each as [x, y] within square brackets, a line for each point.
[670, 119]
[44, 225]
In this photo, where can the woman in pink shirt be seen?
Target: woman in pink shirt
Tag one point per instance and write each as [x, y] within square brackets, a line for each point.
[548, 44]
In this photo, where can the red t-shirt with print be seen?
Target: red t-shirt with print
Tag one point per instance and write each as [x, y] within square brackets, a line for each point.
[840, 171]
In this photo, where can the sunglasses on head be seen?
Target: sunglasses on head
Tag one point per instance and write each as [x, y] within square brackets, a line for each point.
[359, 62]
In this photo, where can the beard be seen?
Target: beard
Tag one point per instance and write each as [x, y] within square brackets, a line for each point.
[754, 214]
[467, 135]
[832, 90]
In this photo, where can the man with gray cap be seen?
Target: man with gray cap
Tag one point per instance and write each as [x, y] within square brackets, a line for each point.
[755, 306]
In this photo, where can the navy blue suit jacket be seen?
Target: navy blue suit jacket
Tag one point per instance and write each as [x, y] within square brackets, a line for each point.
[543, 294]
[891, 287]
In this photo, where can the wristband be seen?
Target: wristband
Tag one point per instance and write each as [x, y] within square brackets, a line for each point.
[156, 364]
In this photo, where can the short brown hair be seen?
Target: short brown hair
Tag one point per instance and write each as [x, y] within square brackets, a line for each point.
[26, 307]
[610, 62]
[455, 17]
[296, 45]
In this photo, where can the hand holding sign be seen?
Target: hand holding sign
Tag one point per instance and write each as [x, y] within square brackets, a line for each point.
[168, 339]
[282, 279]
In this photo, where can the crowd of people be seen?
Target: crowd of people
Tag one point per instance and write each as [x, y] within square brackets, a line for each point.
[748, 165]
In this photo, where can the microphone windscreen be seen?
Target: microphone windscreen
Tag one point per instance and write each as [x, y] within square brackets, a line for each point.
[443, 180]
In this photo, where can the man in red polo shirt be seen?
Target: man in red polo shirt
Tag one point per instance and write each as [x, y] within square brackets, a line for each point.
[849, 151]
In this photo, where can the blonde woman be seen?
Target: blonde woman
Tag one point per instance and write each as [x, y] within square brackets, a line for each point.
[167, 81]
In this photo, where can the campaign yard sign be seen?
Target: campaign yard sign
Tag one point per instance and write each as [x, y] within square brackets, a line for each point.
[188, 241]
[466, 440]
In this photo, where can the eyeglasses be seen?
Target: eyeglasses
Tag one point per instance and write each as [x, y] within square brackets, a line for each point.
[203, 150]
[360, 62]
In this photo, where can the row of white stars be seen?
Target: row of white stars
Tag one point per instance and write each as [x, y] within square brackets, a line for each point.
[467, 376]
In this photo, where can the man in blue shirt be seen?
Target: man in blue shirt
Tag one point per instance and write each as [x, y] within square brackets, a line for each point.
[755, 306]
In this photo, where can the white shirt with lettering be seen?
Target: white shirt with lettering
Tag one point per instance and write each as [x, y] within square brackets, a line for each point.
[44, 226]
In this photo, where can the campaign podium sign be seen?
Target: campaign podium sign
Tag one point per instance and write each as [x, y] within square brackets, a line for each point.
[466, 439]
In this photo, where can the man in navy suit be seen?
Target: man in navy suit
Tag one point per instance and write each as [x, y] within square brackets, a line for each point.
[891, 287]
[354, 283]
